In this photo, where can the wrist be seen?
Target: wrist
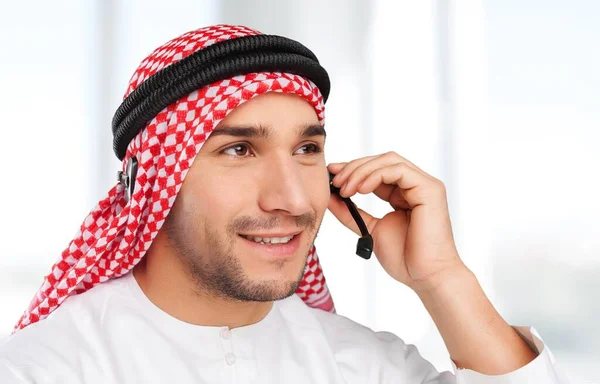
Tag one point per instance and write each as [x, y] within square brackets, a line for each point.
[445, 281]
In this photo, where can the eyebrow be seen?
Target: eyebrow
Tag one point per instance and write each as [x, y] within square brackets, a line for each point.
[265, 133]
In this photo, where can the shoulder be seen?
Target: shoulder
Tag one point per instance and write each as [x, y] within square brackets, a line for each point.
[56, 343]
[348, 340]
[346, 336]
[377, 356]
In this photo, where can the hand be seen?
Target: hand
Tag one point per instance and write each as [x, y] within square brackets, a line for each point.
[414, 243]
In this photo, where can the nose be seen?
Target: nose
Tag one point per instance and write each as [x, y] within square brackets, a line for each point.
[285, 188]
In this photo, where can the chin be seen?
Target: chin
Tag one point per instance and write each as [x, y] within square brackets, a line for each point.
[282, 272]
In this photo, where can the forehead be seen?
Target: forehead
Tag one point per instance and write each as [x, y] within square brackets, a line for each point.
[275, 109]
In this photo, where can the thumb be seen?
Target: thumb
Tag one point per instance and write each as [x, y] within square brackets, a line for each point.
[339, 209]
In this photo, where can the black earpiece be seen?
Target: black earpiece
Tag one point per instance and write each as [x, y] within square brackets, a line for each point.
[364, 248]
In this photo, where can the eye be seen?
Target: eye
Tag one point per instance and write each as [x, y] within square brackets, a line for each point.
[237, 150]
[313, 149]
[242, 150]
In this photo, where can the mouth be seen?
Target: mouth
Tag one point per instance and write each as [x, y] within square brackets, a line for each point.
[279, 247]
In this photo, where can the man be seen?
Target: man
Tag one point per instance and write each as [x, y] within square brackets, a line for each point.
[199, 266]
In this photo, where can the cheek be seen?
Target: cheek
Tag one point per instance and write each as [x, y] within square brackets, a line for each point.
[206, 200]
[319, 193]
[322, 197]
[216, 204]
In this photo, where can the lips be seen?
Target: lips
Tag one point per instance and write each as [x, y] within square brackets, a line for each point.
[270, 240]
[270, 235]
[275, 251]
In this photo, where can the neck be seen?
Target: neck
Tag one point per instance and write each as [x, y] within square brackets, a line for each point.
[164, 280]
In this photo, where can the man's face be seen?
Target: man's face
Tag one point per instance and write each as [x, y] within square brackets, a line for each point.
[274, 184]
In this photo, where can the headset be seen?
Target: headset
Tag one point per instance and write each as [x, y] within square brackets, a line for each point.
[364, 247]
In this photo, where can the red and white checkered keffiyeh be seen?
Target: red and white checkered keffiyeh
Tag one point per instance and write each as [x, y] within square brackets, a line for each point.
[116, 235]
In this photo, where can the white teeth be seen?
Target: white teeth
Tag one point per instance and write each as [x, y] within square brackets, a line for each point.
[270, 240]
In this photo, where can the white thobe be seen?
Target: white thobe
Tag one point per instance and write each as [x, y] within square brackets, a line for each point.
[114, 334]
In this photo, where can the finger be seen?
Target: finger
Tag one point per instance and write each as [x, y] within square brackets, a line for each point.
[339, 209]
[342, 169]
[370, 163]
[336, 167]
[357, 176]
[417, 189]
[384, 191]
[348, 168]
[412, 165]
[405, 160]
[393, 194]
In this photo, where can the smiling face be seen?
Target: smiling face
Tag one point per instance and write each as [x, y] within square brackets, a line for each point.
[261, 173]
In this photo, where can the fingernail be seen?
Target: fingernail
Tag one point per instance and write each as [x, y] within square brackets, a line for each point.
[343, 188]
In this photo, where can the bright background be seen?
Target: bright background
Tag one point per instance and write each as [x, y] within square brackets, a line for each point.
[499, 99]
